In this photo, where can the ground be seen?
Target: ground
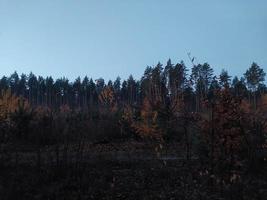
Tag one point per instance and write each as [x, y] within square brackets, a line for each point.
[119, 170]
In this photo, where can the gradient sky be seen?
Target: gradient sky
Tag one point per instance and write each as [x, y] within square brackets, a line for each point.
[106, 38]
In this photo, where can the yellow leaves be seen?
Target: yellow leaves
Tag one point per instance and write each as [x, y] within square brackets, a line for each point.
[9, 103]
[107, 96]
[107, 99]
[148, 125]
[146, 109]
[147, 113]
[146, 130]
[127, 114]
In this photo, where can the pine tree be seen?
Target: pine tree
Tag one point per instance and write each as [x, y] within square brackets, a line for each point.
[254, 76]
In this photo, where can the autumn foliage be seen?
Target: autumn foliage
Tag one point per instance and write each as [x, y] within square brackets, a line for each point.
[219, 128]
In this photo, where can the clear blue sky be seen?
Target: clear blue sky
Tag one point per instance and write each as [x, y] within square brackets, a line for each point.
[106, 38]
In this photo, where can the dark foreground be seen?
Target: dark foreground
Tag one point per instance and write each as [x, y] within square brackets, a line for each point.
[120, 174]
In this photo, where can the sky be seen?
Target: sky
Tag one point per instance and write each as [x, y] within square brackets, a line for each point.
[107, 38]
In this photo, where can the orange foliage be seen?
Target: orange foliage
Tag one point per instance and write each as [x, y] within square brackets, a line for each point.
[233, 130]
[148, 126]
[9, 103]
[223, 129]
[107, 99]
[127, 115]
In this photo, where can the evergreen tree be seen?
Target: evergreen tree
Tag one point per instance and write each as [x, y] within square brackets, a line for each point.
[4, 85]
[224, 78]
[254, 76]
[201, 77]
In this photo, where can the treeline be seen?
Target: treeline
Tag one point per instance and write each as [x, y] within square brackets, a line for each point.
[166, 102]
[219, 120]
[158, 84]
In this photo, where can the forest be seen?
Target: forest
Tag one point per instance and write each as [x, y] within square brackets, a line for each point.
[177, 133]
